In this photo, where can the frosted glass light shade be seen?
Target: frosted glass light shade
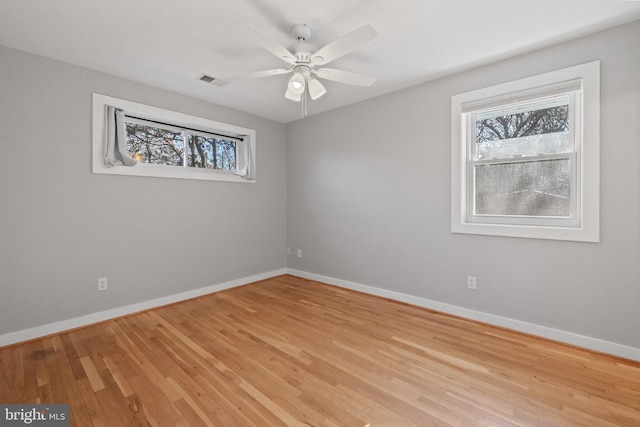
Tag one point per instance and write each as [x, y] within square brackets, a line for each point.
[297, 84]
[316, 89]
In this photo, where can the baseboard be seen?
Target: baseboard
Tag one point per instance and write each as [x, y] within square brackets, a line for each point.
[590, 343]
[594, 344]
[77, 322]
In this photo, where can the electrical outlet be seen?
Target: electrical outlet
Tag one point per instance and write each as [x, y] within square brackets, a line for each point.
[288, 250]
[103, 284]
[299, 253]
[471, 282]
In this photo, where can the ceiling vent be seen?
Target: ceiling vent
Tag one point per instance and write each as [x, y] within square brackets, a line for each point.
[207, 79]
[212, 80]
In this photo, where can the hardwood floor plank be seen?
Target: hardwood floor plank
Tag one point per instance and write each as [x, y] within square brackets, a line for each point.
[92, 374]
[31, 392]
[292, 352]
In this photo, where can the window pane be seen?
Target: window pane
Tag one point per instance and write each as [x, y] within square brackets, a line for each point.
[226, 155]
[526, 129]
[539, 188]
[211, 153]
[150, 144]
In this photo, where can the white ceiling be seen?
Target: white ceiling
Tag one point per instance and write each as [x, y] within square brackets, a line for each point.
[170, 43]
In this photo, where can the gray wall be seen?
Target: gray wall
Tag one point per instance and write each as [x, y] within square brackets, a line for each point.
[364, 192]
[369, 202]
[62, 227]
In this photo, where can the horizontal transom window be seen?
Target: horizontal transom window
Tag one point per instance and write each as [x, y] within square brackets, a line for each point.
[161, 144]
[137, 139]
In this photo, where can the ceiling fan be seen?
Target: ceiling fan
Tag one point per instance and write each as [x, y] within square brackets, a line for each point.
[306, 62]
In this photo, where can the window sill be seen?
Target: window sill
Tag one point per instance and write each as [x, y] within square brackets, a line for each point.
[174, 172]
[528, 232]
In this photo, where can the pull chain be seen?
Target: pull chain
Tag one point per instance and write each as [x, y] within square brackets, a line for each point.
[304, 104]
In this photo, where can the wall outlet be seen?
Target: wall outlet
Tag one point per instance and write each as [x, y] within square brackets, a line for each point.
[471, 282]
[103, 284]
[299, 253]
[288, 250]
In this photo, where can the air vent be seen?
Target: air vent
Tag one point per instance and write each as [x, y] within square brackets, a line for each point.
[207, 79]
[212, 80]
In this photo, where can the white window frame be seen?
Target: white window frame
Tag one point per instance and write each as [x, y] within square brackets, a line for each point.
[180, 120]
[574, 97]
[585, 224]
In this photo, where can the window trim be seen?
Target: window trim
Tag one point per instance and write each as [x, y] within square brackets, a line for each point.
[588, 153]
[169, 118]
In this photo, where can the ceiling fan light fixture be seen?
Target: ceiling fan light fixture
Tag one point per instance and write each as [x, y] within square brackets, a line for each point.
[297, 84]
[297, 97]
[316, 89]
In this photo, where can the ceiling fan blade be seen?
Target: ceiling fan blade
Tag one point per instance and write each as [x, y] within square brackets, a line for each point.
[257, 74]
[347, 77]
[297, 97]
[266, 41]
[344, 45]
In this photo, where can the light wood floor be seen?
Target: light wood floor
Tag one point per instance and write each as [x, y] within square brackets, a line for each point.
[288, 351]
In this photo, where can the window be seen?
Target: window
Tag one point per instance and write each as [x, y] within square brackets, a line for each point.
[525, 157]
[164, 143]
[522, 164]
[161, 144]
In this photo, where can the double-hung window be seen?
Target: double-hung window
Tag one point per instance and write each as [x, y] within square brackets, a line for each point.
[525, 157]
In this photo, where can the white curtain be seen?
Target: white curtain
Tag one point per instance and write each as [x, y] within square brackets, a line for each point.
[115, 146]
[244, 160]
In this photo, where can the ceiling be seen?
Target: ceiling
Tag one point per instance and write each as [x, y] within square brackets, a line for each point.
[169, 43]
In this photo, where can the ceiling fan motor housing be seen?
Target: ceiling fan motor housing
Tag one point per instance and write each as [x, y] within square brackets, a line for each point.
[302, 50]
[303, 57]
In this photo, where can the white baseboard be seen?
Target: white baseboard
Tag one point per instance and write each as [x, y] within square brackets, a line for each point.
[594, 344]
[65, 325]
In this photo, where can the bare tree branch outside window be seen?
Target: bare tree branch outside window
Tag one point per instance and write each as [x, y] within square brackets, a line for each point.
[157, 145]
